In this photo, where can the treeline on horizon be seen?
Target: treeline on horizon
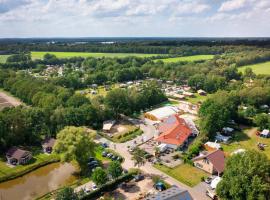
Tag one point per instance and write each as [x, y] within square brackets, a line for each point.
[178, 47]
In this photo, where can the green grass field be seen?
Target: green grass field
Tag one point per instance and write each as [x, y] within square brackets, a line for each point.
[187, 58]
[3, 58]
[39, 54]
[260, 68]
[247, 139]
[184, 173]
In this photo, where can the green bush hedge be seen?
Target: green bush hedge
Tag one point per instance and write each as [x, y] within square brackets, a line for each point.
[110, 186]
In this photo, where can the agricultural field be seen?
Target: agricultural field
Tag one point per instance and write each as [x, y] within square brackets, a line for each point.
[260, 68]
[3, 58]
[187, 58]
[40, 54]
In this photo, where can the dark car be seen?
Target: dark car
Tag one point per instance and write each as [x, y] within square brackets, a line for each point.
[120, 159]
[90, 159]
[208, 180]
[109, 155]
[104, 145]
[104, 154]
[114, 157]
[139, 177]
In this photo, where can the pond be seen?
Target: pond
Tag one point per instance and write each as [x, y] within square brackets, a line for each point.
[38, 182]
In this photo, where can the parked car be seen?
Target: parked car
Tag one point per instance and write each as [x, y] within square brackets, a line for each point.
[208, 180]
[104, 145]
[114, 157]
[87, 190]
[94, 187]
[104, 154]
[90, 159]
[120, 159]
[139, 177]
[109, 155]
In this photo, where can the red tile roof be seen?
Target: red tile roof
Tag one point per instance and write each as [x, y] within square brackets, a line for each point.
[174, 130]
[217, 158]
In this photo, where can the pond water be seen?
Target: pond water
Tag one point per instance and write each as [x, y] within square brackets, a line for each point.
[38, 182]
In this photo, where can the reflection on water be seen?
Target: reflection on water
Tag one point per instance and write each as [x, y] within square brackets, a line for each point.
[38, 182]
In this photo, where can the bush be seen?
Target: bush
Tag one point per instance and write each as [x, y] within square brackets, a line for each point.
[109, 186]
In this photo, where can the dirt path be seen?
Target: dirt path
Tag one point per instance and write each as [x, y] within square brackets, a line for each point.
[13, 101]
[252, 132]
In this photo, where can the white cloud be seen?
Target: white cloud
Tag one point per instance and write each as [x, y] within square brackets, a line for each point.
[232, 5]
[128, 17]
[191, 7]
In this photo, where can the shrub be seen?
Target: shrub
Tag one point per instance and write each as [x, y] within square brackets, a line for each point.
[109, 186]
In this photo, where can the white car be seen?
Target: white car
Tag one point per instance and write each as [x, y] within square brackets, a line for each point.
[94, 187]
[87, 190]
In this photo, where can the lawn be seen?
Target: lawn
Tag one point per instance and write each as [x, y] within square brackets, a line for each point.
[247, 139]
[39, 160]
[100, 91]
[3, 58]
[187, 58]
[260, 68]
[40, 54]
[184, 173]
[198, 98]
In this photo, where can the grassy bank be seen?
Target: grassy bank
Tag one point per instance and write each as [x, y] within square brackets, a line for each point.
[40, 54]
[3, 58]
[184, 173]
[40, 160]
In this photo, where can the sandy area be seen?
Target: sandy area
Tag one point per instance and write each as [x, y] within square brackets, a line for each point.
[9, 99]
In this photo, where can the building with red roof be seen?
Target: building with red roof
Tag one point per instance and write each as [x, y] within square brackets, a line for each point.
[211, 162]
[174, 131]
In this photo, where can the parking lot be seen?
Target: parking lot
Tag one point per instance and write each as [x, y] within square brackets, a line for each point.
[134, 190]
[168, 157]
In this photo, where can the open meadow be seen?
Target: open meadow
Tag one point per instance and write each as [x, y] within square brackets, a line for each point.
[187, 58]
[3, 58]
[40, 54]
[259, 68]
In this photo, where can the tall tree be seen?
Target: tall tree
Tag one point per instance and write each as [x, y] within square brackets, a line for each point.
[115, 169]
[75, 144]
[247, 177]
[99, 176]
[138, 157]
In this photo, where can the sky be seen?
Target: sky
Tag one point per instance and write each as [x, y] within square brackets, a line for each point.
[134, 18]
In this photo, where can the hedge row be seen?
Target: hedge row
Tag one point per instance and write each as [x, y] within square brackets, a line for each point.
[108, 187]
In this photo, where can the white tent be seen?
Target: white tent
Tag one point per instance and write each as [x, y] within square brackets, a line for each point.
[265, 133]
[215, 182]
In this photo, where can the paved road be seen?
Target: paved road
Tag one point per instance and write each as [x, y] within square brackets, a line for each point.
[198, 192]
